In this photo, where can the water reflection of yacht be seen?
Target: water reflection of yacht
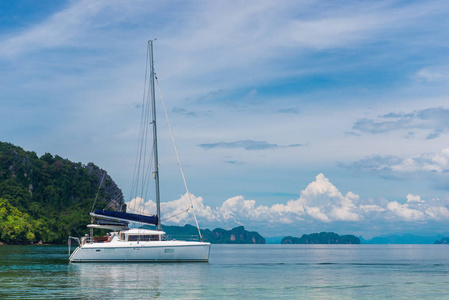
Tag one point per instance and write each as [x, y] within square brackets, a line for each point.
[138, 280]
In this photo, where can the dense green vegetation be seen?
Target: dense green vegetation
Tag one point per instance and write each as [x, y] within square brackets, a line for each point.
[45, 199]
[321, 238]
[237, 235]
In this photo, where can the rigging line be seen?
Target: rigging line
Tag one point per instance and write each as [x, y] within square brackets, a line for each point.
[143, 149]
[107, 206]
[98, 191]
[149, 170]
[110, 202]
[145, 144]
[135, 181]
[176, 214]
[145, 174]
[179, 160]
[146, 160]
[71, 227]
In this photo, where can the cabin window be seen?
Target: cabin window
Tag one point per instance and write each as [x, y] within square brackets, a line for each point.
[145, 238]
[133, 238]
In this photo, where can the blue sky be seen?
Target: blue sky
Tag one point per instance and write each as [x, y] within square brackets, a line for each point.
[291, 117]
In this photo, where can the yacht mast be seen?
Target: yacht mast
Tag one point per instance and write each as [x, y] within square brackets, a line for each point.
[156, 163]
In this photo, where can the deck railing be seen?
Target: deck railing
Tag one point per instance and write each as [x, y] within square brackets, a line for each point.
[170, 237]
[69, 242]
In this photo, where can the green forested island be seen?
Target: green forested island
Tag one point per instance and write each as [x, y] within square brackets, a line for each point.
[321, 238]
[45, 199]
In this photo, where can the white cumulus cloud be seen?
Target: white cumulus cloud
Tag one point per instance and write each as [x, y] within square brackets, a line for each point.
[404, 212]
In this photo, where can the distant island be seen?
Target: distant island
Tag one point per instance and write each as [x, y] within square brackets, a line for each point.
[442, 241]
[408, 239]
[321, 238]
[237, 235]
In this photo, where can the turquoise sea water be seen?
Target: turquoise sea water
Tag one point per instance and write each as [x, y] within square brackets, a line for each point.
[237, 272]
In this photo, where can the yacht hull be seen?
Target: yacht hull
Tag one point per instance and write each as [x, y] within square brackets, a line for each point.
[155, 251]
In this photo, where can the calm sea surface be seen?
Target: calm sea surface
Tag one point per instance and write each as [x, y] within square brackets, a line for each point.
[235, 271]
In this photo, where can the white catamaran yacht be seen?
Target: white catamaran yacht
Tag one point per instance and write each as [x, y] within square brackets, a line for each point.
[125, 244]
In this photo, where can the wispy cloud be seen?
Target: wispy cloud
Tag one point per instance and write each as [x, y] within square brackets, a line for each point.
[291, 110]
[434, 119]
[433, 74]
[247, 145]
[62, 29]
[234, 162]
[433, 167]
[184, 112]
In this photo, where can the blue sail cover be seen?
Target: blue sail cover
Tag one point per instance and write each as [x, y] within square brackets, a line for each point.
[123, 216]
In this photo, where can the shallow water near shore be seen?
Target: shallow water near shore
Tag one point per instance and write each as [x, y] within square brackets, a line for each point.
[237, 271]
